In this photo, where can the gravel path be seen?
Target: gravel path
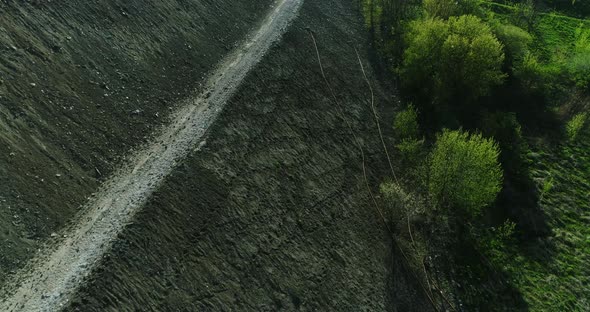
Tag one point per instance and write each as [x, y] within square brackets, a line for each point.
[56, 273]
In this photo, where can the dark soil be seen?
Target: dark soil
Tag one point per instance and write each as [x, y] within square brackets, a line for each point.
[81, 84]
[272, 214]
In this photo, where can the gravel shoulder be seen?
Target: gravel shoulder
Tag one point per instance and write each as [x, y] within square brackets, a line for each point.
[55, 275]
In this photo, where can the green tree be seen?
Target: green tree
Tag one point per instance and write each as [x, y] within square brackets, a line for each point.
[421, 59]
[464, 171]
[457, 58]
[471, 56]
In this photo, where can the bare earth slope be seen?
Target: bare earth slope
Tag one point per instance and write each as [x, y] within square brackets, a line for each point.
[272, 213]
[59, 270]
[84, 82]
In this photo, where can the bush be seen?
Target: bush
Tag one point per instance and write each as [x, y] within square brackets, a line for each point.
[515, 39]
[455, 58]
[411, 150]
[575, 126]
[464, 171]
[530, 72]
[405, 123]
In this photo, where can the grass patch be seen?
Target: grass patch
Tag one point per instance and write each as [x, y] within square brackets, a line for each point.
[552, 272]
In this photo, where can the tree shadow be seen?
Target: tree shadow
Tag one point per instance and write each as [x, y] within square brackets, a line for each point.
[484, 287]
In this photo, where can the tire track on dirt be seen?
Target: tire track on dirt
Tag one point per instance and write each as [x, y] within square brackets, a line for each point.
[56, 273]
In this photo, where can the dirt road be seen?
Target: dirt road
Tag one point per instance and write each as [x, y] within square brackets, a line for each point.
[49, 281]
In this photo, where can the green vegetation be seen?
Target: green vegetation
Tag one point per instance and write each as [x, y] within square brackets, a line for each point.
[440, 8]
[514, 186]
[464, 171]
[459, 56]
[576, 125]
[515, 39]
[407, 131]
[405, 123]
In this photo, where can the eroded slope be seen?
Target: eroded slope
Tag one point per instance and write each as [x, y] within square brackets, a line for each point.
[82, 83]
[272, 213]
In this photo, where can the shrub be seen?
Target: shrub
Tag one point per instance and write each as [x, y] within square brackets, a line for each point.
[458, 56]
[464, 171]
[401, 205]
[575, 126]
[405, 123]
[515, 39]
[529, 71]
[411, 150]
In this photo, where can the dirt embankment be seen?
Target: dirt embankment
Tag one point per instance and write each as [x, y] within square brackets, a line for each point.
[81, 84]
[272, 213]
[49, 282]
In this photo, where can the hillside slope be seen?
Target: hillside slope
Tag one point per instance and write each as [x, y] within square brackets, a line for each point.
[49, 281]
[81, 84]
[272, 213]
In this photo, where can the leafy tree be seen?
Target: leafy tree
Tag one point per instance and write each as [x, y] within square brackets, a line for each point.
[464, 171]
[458, 58]
[471, 56]
[421, 59]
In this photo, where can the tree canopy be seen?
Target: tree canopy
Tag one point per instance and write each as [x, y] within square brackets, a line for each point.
[459, 55]
[464, 171]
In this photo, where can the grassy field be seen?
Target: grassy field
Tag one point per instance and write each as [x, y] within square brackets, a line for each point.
[552, 273]
[555, 34]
